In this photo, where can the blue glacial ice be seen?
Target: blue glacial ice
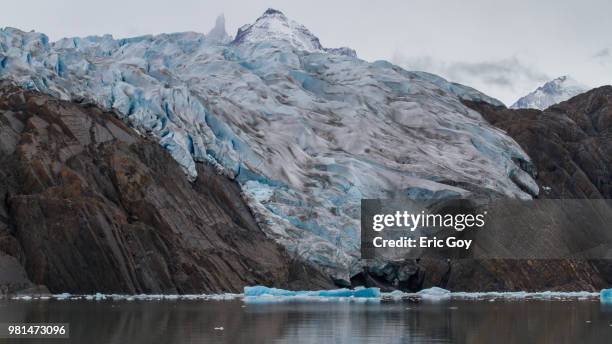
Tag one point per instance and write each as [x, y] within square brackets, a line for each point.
[306, 132]
[606, 296]
[261, 294]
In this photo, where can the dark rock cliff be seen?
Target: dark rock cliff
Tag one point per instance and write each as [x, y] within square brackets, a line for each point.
[88, 205]
[569, 143]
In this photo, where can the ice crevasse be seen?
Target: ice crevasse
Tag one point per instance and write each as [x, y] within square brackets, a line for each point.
[306, 131]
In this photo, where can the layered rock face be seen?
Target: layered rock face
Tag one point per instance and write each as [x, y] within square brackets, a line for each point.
[88, 205]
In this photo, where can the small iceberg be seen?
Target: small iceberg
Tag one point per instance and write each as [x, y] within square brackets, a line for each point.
[605, 296]
[261, 294]
[434, 294]
[62, 296]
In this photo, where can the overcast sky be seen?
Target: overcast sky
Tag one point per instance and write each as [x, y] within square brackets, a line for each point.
[503, 48]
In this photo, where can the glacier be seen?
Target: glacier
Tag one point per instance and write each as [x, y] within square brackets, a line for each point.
[305, 130]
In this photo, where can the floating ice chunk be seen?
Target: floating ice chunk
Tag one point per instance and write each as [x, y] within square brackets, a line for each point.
[261, 290]
[522, 295]
[63, 296]
[131, 297]
[357, 292]
[395, 295]
[23, 297]
[605, 296]
[261, 294]
[434, 294]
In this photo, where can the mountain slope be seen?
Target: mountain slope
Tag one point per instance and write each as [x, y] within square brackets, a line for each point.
[90, 206]
[307, 134]
[552, 92]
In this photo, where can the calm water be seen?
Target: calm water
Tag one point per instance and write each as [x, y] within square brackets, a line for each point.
[453, 321]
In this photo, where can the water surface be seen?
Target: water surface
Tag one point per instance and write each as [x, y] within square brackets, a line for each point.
[186, 321]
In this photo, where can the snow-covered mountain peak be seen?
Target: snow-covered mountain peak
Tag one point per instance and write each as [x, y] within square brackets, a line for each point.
[218, 33]
[273, 25]
[552, 92]
[273, 12]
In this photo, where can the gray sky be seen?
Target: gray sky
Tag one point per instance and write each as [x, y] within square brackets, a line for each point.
[503, 48]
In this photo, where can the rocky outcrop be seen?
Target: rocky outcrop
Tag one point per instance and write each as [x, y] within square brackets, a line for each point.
[570, 143]
[14, 279]
[89, 205]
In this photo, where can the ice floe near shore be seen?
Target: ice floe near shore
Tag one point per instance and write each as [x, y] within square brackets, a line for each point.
[606, 296]
[439, 294]
[128, 297]
[522, 295]
[261, 294]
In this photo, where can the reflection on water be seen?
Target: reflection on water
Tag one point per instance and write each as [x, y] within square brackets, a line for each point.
[454, 321]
